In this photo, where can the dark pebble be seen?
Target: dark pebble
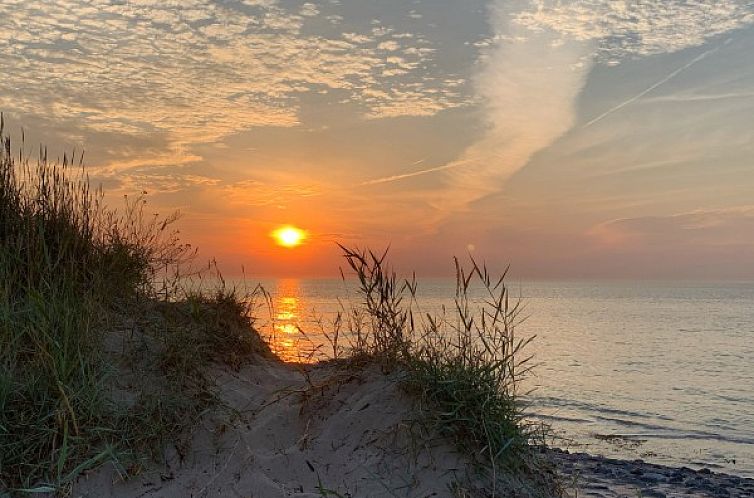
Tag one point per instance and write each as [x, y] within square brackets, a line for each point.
[709, 488]
[697, 482]
[649, 478]
[652, 493]
[600, 487]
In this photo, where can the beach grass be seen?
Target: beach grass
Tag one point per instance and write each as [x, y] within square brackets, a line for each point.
[464, 365]
[103, 351]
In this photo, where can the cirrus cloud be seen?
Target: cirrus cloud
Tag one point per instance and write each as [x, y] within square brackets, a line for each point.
[537, 61]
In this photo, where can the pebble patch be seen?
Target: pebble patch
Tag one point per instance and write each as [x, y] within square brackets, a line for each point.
[590, 476]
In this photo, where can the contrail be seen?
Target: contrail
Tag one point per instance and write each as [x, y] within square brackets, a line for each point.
[659, 83]
[413, 173]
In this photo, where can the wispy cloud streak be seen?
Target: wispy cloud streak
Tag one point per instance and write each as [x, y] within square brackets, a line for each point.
[529, 82]
[412, 174]
[656, 85]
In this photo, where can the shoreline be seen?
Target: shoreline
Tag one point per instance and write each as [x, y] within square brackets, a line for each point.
[600, 476]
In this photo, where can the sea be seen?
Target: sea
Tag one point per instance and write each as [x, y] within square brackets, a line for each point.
[658, 371]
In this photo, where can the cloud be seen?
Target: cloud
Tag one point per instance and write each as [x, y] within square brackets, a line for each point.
[388, 45]
[198, 71]
[699, 97]
[309, 10]
[529, 81]
[411, 174]
[728, 227]
[625, 28]
[536, 63]
[161, 181]
[247, 193]
[655, 85]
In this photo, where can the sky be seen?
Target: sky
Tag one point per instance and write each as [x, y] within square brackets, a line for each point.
[581, 139]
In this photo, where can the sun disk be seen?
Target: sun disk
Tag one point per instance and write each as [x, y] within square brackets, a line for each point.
[289, 236]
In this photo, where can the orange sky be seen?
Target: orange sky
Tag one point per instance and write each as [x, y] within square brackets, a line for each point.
[581, 140]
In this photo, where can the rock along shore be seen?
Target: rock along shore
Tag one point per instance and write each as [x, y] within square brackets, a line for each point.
[592, 476]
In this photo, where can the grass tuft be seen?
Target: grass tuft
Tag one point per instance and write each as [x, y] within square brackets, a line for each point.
[464, 365]
[101, 346]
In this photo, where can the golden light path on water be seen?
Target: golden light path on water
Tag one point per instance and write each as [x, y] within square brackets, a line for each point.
[288, 340]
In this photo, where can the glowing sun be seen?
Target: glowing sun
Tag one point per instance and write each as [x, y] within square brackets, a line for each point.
[289, 236]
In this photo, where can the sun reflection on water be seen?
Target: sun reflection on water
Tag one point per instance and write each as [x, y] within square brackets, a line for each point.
[288, 340]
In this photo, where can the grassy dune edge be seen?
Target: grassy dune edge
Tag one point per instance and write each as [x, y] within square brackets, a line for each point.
[85, 301]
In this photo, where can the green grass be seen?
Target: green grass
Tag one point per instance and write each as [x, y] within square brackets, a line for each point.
[102, 350]
[464, 366]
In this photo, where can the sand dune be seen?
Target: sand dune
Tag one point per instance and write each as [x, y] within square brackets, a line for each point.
[322, 430]
[326, 433]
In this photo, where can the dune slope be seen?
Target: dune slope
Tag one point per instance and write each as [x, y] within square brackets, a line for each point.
[322, 432]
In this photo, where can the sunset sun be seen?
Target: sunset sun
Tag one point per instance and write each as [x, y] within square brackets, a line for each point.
[289, 236]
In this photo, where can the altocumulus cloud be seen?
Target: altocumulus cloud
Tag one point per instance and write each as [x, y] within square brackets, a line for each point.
[625, 28]
[197, 71]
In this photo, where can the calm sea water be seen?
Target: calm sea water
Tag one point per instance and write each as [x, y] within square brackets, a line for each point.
[658, 371]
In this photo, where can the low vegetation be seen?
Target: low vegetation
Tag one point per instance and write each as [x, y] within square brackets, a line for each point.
[464, 365]
[101, 351]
